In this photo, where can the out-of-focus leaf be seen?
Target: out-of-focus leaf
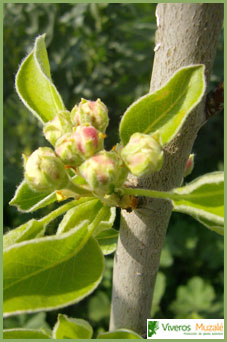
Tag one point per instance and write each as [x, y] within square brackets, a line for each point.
[99, 306]
[196, 296]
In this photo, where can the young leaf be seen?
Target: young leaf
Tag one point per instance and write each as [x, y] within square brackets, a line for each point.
[107, 222]
[76, 215]
[51, 272]
[107, 240]
[204, 200]
[119, 334]
[71, 328]
[88, 211]
[26, 200]
[26, 231]
[34, 84]
[20, 333]
[167, 108]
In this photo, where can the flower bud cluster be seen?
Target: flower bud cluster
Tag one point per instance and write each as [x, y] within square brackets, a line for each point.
[78, 140]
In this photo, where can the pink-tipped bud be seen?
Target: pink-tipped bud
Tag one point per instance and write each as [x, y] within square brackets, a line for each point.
[189, 166]
[143, 154]
[84, 142]
[104, 172]
[57, 127]
[93, 113]
[44, 171]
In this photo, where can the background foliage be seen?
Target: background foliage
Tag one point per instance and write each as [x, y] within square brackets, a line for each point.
[106, 51]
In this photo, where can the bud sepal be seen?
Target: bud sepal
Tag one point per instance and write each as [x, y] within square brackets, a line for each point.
[94, 113]
[57, 127]
[104, 172]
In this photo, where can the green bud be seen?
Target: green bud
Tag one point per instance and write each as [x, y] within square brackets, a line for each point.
[55, 128]
[93, 113]
[143, 154]
[44, 171]
[189, 166]
[83, 143]
[104, 172]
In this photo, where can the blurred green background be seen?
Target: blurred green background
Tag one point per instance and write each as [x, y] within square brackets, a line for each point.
[106, 51]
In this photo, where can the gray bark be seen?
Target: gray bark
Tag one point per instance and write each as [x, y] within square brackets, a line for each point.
[187, 34]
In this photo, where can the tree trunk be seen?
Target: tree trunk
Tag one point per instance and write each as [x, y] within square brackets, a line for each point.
[187, 34]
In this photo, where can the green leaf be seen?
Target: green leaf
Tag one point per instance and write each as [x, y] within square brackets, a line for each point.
[20, 333]
[52, 271]
[99, 306]
[27, 200]
[71, 328]
[196, 296]
[119, 334]
[34, 84]
[167, 108]
[88, 211]
[107, 240]
[26, 231]
[107, 221]
[204, 200]
[76, 215]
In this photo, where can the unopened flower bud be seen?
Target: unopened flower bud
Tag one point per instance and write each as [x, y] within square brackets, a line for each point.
[143, 154]
[93, 113]
[189, 165]
[44, 171]
[83, 143]
[55, 128]
[104, 172]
